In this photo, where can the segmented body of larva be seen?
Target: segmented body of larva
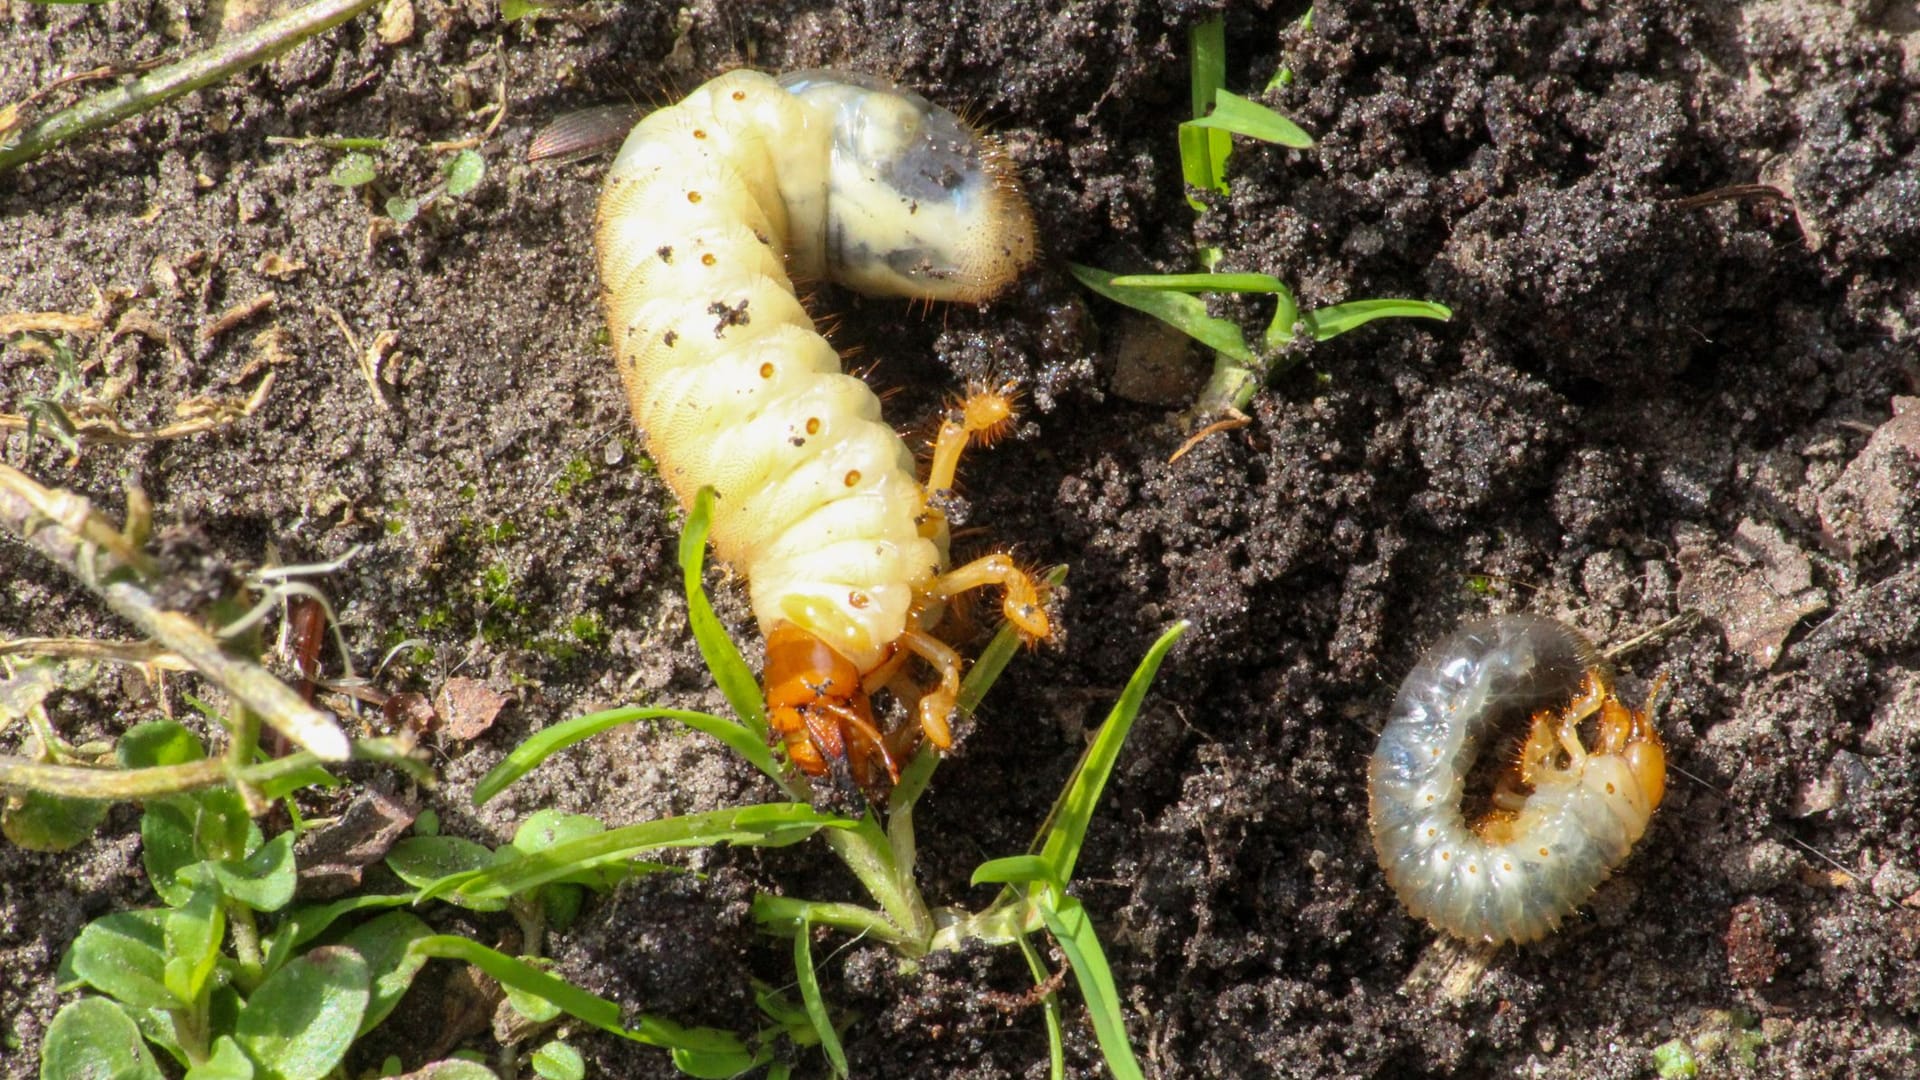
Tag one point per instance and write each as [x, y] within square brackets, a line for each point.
[711, 209]
[1556, 822]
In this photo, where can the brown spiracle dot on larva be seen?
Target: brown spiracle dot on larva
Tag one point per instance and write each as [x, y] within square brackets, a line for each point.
[1560, 814]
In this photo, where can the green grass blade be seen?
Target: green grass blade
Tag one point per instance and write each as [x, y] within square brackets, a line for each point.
[547, 742]
[1202, 283]
[303, 924]
[591, 1008]
[1203, 153]
[1068, 923]
[1331, 322]
[1239, 116]
[1056, 1029]
[1184, 313]
[784, 916]
[1016, 870]
[730, 672]
[766, 824]
[1067, 830]
[816, 1003]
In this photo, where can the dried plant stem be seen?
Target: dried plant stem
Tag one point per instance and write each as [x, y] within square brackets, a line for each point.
[202, 68]
[64, 528]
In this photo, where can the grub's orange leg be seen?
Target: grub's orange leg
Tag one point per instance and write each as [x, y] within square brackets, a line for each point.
[1023, 606]
[938, 703]
[981, 417]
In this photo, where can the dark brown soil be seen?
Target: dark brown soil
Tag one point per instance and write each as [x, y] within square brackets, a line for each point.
[1649, 402]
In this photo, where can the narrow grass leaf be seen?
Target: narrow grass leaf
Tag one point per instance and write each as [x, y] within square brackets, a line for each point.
[1067, 830]
[784, 916]
[730, 672]
[1331, 322]
[1068, 923]
[1203, 153]
[762, 825]
[1184, 313]
[94, 1037]
[302, 925]
[1202, 283]
[545, 743]
[816, 1004]
[1016, 870]
[1235, 114]
[580, 1004]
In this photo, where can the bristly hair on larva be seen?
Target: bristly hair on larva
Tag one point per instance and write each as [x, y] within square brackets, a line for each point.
[711, 211]
[1560, 817]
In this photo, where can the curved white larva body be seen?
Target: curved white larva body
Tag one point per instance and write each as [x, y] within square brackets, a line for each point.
[1576, 826]
[708, 209]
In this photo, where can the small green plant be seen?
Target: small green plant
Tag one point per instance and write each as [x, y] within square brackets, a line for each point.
[459, 176]
[881, 855]
[203, 979]
[49, 411]
[1206, 143]
[194, 977]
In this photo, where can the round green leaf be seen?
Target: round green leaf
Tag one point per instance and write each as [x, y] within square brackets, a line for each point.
[43, 822]
[95, 1039]
[124, 956]
[264, 880]
[464, 172]
[352, 171]
[391, 965]
[158, 742]
[545, 828]
[422, 860]
[403, 209]
[301, 1021]
[558, 1061]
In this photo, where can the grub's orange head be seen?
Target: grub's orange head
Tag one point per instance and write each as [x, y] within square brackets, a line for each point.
[816, 704]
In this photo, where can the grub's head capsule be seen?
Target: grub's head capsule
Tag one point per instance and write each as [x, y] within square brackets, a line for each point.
[919, 204]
